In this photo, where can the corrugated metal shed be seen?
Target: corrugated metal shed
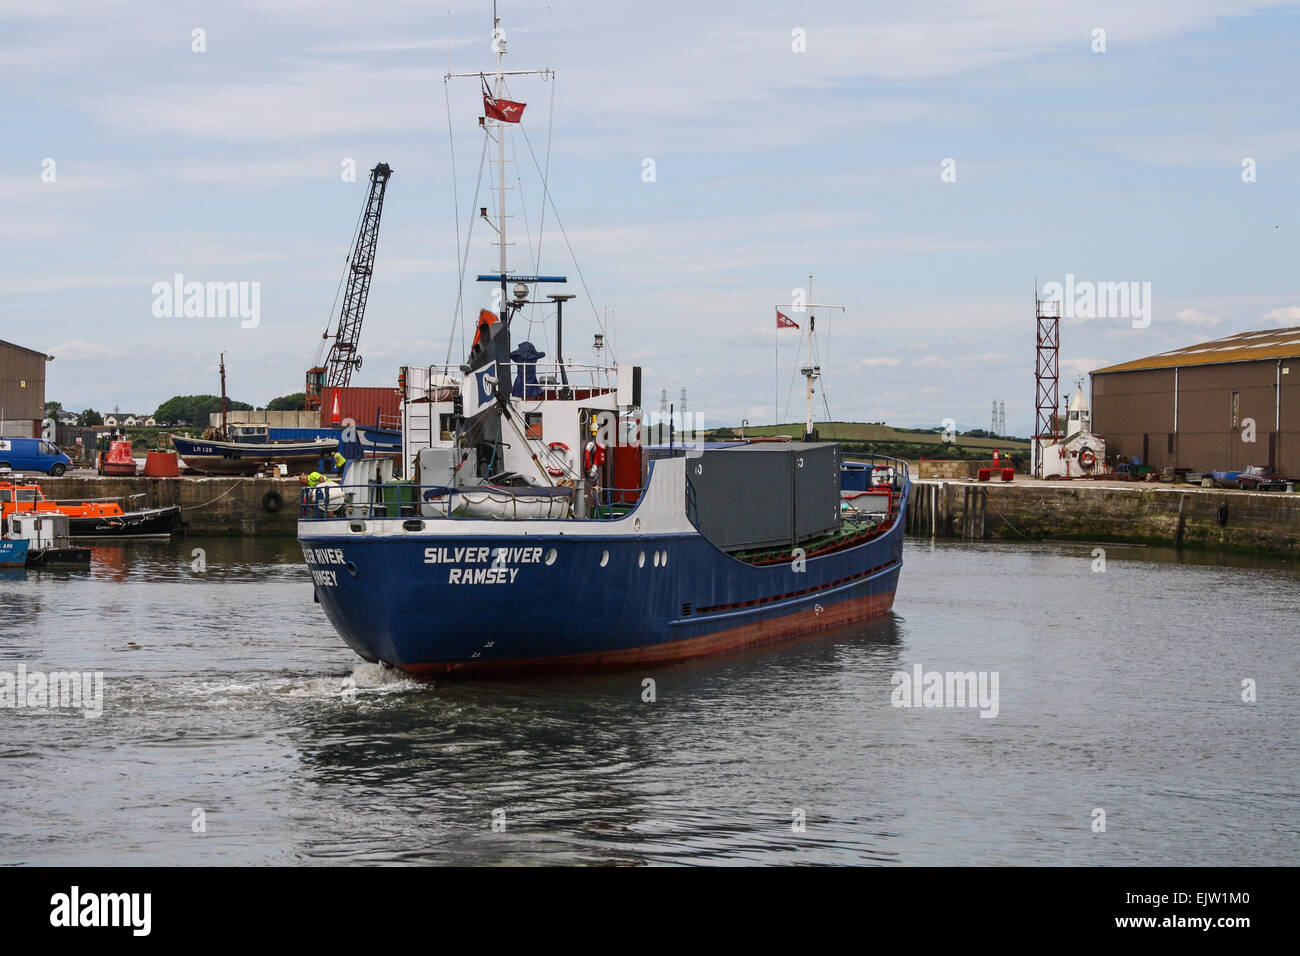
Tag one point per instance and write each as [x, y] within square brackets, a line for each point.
[1217, 406]
[22, 382]
[1243, 347]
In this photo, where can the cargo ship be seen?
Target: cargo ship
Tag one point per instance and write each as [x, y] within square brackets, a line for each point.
[546, 522]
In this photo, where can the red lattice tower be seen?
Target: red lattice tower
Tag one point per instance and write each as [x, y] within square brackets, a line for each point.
[1047, 371]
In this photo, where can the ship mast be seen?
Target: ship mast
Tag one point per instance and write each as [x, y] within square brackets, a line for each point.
[499, 43]
[224, 432]
[497, 127]
[810, 371]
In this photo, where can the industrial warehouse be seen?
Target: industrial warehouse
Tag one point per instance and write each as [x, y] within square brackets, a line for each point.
[22, 389]
[1219, 406]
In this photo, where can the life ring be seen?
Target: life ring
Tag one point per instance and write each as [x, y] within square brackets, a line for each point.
[593, 456]
[1087, 458]
[271, 502]
[558, 446]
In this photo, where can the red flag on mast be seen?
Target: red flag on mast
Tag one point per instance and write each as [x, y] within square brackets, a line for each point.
[784, 321]
[507, 111]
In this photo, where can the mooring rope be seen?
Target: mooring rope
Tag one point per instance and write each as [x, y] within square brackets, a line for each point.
[220, 496]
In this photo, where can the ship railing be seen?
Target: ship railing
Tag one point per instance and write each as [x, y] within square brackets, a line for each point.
[616, 502]
[73, 501]
[553, 379]
[373, 500]
[398, 499]
[887, 473]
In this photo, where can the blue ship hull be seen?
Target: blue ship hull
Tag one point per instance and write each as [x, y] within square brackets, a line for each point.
[453, 602]
[369, 440]
[13, 553]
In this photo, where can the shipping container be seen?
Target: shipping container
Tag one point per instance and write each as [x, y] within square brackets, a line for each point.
[764, 495]
[378, 407]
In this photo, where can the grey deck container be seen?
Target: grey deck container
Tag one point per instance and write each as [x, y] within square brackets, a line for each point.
[765, 495]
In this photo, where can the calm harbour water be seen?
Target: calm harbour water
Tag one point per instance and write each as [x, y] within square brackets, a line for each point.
[1118, 690]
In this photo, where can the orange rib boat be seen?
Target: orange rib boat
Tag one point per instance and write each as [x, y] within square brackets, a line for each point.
[94, 518]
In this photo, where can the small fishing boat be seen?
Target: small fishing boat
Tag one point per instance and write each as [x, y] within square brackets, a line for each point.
[250, 450]
[375, 441]
[247, 449]
[47, 539]
[90, 518]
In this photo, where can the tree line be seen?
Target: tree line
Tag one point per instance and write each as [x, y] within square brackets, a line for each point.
[190, 409]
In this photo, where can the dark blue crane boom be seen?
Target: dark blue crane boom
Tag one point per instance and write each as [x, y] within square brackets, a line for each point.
[343, 356]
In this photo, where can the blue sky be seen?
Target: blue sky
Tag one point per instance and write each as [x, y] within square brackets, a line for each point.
[1123, 165]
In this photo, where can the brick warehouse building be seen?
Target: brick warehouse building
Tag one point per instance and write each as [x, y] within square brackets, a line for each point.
[22, 390]
[1193, 407]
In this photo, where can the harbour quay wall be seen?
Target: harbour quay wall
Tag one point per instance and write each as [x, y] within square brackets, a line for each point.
[1180, 516]
[957, 467]
[1177, 515]
[241, 506]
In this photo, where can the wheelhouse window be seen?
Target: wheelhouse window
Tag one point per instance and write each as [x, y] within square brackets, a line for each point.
[533, 424]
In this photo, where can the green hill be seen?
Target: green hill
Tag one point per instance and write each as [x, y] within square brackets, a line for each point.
[907, 443]
[864, 432]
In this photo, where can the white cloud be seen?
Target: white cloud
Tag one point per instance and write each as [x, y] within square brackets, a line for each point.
[1195, 317]
[79, 350]
[1283, 316]
[1073, 367]
[225, 166]
[985, 358]
[399, 349]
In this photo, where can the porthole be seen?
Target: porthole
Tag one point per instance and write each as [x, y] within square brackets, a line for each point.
[636, 524]
[664, 562]
[656, 559]
[604, 558]
[640, 563]
[550, 557]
